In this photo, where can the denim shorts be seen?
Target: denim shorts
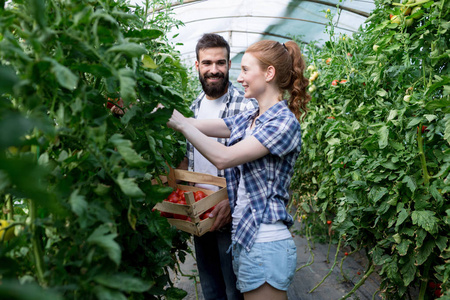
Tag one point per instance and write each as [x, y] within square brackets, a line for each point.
[271, 262]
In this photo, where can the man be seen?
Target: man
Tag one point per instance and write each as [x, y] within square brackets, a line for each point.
[219, 99]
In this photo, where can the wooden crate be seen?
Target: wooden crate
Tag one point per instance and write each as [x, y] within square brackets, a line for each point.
[193, 209]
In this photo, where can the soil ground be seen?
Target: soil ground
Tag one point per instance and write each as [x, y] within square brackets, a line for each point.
[334, 286]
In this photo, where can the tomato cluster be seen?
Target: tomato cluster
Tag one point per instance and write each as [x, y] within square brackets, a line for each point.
[435, 288]
[177, 196]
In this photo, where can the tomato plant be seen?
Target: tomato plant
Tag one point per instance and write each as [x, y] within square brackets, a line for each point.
[75, 179]
[384, 183]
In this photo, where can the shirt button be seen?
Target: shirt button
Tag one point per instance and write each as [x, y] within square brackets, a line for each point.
[254, 210]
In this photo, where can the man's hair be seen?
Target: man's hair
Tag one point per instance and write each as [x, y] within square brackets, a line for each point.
[212, 40]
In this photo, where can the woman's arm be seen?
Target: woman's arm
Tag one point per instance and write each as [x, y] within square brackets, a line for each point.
[210, 127]
[218, 154]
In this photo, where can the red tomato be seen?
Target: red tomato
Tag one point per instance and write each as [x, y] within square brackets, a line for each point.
[438, 293]
[166, 214]
[173, 197]
[181, 194]
[199, 195]
[334, 82]
[180, 217]
[205, 215]
[211, 209]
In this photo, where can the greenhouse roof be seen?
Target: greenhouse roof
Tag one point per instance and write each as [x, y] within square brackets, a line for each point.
[243, 22]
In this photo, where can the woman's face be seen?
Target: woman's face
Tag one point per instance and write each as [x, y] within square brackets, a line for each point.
[252, 78]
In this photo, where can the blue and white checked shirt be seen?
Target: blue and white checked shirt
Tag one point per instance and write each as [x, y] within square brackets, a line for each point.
[235, 103]
[267, 179]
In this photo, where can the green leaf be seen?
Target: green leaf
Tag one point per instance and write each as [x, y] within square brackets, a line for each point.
[124, 282]
[127, 85]
[101, 238]
[402, 215]
[64, 76]
[408, 271]
[124, 147]
[13, 290]
[130, 49]
[148, 62]
[104, 293]
[153, 76]
[447, 128]
[129, 187]
[382, 93]
[440, 103]
[8, 79]
[383, 134]
[37, 11]
[403, 247]
[377, 192]
[410, 182]
[77, 203]
[425, 219]
[424, 252]
[333, 141]
[145, 33]
[430, 118]
[414, 122]
[175, 293]
[441, 242]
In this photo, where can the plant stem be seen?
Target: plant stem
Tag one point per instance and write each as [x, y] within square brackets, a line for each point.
[426, 175]
[9, 208]
[308, 236]
[331, 270]
[37, 251]
[423, 285]
[328, 252]
[342, 272]
[361, 281]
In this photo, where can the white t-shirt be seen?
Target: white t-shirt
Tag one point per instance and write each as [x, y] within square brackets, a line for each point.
[209, 109]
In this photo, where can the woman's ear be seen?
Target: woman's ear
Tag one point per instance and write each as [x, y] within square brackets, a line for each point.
[270, 73]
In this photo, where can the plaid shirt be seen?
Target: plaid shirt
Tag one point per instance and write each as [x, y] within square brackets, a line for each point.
[235, 103]
[266, 179]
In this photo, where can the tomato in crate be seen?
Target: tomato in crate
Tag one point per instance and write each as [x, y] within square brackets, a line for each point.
[190, 206]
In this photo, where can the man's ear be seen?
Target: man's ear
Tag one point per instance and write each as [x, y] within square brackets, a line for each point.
[229, 65]
[196, 65]
[270, 73]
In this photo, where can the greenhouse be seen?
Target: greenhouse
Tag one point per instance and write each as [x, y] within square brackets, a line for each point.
[119, 179]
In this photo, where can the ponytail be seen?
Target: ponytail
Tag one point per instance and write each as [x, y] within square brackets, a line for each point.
[289, 67]
[299, 98]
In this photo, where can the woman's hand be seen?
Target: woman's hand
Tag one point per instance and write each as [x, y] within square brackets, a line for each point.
[177, 120]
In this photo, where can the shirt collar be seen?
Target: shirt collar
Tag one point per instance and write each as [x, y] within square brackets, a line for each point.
[273, 110]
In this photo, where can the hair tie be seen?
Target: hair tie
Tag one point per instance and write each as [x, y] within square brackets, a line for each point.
[285, 47]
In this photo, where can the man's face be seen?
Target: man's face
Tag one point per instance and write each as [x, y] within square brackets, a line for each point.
[213, 69]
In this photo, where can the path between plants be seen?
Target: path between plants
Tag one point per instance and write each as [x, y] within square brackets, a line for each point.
[334, 287]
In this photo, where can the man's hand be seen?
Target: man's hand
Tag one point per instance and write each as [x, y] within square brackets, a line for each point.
[222, 213]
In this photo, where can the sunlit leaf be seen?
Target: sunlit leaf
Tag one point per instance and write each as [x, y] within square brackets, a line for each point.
[148, 62]
[124, 282]
[425, 219]
[129, 186]
[103, 238]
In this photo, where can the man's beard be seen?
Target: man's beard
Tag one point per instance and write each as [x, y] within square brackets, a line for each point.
[217, 89]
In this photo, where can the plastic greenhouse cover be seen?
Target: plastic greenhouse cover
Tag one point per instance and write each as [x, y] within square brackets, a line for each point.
[243, 22]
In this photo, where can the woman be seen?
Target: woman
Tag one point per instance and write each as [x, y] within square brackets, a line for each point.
[259, 160]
